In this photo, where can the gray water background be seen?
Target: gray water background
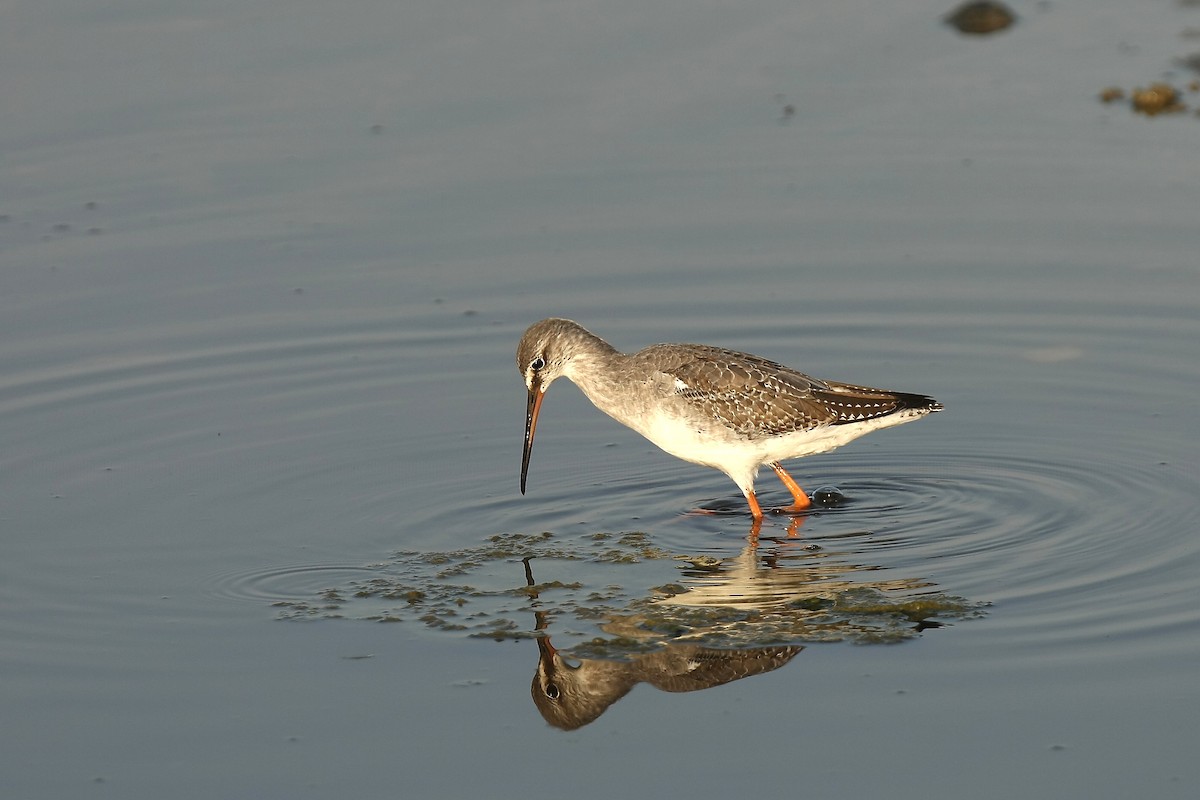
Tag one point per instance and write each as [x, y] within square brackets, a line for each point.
[263, 267]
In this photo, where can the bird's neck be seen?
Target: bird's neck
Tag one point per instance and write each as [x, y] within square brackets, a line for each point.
[596, 370]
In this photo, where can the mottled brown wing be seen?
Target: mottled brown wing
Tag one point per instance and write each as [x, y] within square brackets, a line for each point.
[750, 395]
[683, 668]
[850, 403]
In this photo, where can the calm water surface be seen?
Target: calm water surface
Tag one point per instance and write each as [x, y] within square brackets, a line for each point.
[258, 396]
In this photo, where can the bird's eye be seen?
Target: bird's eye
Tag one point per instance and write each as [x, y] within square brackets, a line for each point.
[551, 691]
[537, 364]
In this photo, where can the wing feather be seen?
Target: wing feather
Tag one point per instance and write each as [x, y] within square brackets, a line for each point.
[752, 396]
[759, 398]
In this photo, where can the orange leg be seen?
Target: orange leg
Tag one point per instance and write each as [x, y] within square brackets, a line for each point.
[801, 499]
[755, 508]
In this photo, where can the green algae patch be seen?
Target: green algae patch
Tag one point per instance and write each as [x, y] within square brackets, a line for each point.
[618, 595]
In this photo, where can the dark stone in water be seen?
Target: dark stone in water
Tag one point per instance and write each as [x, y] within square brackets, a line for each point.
[827, 496]
[980, 19]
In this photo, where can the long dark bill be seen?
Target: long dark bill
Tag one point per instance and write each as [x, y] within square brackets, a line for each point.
[532, 408]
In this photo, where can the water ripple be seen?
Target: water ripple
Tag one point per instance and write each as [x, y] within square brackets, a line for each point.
[388, 439]
[299, 582]
[1085, 545]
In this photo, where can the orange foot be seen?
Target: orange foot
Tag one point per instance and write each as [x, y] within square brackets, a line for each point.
[800, 499]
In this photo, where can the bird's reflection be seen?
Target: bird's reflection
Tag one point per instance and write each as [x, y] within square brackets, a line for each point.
[570, 695]
[710, 629]
[572, 692]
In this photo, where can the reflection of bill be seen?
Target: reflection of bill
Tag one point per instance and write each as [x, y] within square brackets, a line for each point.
[729, 619]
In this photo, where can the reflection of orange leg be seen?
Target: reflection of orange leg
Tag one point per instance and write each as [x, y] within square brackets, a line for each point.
[755, 527]
[793, 528]
[801, 499]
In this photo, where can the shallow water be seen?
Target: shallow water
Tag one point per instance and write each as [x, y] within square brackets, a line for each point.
[257, 395]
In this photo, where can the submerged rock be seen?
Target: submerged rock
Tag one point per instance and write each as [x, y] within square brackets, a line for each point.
[980, 18]
[1158, 98]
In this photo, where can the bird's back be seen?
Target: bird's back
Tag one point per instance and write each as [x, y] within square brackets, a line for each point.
[759, 398]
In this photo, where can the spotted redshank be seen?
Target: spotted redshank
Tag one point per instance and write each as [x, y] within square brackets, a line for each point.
[720, 408]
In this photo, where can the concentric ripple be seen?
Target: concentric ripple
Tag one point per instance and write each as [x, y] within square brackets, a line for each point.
[290, 584]
[990, 527]
[376, 452]
[1096, 543]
